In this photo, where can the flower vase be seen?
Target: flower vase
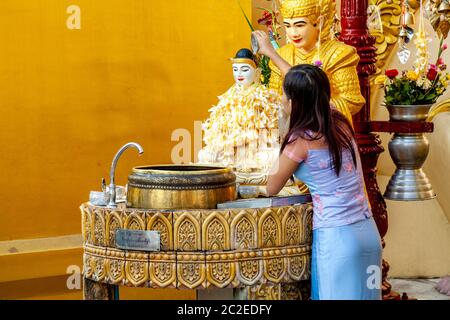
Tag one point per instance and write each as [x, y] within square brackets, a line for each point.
[409, 152]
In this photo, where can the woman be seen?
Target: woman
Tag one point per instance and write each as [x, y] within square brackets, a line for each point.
[320, 150]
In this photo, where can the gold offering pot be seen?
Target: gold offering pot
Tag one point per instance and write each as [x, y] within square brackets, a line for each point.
[180, 187]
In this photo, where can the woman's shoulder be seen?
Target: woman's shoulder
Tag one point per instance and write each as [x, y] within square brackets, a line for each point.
[297, 148]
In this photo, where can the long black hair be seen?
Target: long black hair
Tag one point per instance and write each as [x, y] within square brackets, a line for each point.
[312, 118]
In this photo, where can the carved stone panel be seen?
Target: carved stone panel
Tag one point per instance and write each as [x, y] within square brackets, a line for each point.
[97, 263]
[86, 223]
[269, 228]
[201, 248]
[220, 269]
[187, 230]
[298, 263]
[249, 267]
[244, 229]
[136, 269]
[191, 270]
[216, 231]
[114, 221]
[264, 292]
[162, 222]
[162, 270]
[88, 269]
[115, 267]
[292, 225]
[134, 219]
[274, 265]
[307, 224]
[99, 227]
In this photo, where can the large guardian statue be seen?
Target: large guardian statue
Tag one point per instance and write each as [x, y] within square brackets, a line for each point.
[310, 40]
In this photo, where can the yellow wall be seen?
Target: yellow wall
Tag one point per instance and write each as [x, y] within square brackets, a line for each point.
[135, 71]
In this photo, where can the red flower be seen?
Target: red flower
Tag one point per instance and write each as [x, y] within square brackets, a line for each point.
[392, 73]
[432, 74]
[444, 47]
[440, 61]
[266, 19]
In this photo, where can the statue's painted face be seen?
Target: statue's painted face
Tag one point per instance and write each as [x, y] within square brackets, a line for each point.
[302, 33]
[244, 74]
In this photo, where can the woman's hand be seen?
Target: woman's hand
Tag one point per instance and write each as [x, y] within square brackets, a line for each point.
[265, 47]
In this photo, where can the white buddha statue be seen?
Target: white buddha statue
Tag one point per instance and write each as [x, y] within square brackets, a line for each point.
[242, 130]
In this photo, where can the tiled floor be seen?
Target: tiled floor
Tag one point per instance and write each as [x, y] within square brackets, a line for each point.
[421, 289]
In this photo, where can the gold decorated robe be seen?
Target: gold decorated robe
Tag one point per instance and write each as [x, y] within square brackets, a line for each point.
[339, 62]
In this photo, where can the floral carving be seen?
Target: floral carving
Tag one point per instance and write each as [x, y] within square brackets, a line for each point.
[270, 232]
[134, 225]
[297, 266]
[275, 268]
[115, 270]
[245, 235]
[163, 271]
[160, 226]
[114, 224]
[187, 235]
[99, 268]
[136, 270]
[87, 266]
[99, 229]
[87, 224]
[249, 269]
[220, 271]
[216, 235]
[292, 231]
[191, 272]
[264, 292]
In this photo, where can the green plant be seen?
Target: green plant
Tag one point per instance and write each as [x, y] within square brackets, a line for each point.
[268, 19]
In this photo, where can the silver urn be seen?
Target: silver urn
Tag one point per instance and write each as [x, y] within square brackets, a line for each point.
[409, 152]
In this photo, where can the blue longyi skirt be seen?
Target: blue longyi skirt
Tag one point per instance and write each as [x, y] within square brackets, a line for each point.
[346, 262]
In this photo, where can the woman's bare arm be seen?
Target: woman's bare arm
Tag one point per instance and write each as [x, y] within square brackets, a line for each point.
[282, 170]
[266, 48]
[286, 165]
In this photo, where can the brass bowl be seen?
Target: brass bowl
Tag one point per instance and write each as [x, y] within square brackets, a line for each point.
[180, 187]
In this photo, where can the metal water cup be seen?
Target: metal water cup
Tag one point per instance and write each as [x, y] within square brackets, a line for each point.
[255, 44]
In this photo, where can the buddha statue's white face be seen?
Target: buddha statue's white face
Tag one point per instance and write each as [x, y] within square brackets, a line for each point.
[244, 74]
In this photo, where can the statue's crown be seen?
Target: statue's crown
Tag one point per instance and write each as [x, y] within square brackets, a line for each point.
[313, 9]
[299, 8]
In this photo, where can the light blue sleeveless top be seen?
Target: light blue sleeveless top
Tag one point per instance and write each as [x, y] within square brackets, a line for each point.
[337, 201]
